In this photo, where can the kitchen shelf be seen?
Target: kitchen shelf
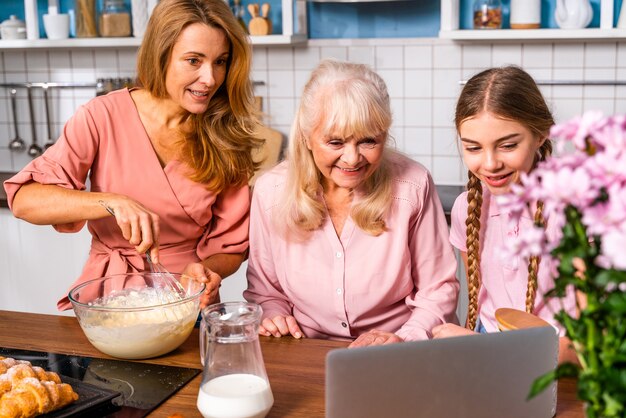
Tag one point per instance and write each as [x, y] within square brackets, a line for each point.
[531, 34]
[350, 1]
[294, 32]
[293, 39]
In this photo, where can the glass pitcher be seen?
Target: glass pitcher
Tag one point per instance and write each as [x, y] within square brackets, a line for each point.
[234, 381]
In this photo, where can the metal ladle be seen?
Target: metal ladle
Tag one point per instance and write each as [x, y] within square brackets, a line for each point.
[17, 143]
[34, 150]
[50, 140]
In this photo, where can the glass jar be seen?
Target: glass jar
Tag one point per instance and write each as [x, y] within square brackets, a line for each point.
[237, 9]
[86, 19]
[114, 19]
[487, 14]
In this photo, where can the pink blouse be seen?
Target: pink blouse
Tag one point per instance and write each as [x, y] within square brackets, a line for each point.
[106, 141]
[402, 281]
[505, 278]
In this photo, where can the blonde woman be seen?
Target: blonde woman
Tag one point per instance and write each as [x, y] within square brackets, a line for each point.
[168, 162]
[503, 123]
[348, 239]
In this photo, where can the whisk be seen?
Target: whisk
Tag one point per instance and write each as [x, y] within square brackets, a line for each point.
[174, 290]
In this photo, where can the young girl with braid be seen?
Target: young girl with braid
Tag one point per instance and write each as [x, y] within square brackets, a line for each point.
[503, 123]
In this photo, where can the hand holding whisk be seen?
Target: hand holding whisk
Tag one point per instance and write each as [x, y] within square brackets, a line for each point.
[171, 289]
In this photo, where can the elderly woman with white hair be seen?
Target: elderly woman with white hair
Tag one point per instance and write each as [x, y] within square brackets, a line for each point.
[348, 239]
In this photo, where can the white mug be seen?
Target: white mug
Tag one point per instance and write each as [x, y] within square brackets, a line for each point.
[57, 25]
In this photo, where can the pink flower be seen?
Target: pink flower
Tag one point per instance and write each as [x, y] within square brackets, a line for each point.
[578, 129]
[613, 245]
[589, 176]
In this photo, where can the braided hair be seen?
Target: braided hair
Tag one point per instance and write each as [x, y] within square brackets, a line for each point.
[510, 93]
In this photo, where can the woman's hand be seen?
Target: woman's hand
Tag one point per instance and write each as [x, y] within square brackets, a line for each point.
[375, 337]
[199, 272]
[139, 225]
[450, 330]
[280, 325]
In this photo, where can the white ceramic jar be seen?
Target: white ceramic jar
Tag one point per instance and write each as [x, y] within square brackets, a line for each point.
[13, 28]
[525, 14]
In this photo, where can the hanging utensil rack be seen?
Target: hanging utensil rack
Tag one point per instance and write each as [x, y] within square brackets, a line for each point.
[74, 85]
[34, 149]
[48, 85]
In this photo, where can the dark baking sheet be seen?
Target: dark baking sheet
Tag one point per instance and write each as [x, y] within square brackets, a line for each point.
[143, 386]
[92, 401]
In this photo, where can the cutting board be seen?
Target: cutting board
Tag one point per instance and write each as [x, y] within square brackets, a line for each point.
[269, 153]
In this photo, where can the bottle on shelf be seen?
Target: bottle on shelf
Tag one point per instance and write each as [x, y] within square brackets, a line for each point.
[487, 14]
[238, 11]
[86, 19]
[32, 19]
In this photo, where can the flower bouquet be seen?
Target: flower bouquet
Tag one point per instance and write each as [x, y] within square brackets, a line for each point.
[583, 189]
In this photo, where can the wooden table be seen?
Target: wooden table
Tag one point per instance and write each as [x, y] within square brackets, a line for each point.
[295, 367]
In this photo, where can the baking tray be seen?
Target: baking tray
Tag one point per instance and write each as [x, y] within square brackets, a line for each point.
[143, 386]
[92, 401]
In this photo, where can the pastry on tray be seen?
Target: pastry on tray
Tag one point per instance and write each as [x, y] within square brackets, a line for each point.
[27, 391]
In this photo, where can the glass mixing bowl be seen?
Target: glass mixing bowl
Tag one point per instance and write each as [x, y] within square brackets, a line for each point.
[136, 315]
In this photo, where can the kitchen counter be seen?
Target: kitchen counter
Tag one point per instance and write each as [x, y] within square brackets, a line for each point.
[296, 368]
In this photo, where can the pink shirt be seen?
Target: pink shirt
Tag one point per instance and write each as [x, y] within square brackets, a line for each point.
[106, 141]
[402, 281]
[505, 278]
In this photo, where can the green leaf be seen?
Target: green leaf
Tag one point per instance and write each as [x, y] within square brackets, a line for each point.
[612, 407]
[616, 302]
[609, 276]
[542, 382]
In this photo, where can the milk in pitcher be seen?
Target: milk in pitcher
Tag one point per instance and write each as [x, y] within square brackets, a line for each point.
[238, 395]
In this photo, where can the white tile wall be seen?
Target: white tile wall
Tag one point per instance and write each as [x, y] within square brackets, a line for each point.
[537, 55]
[304, 58]
[362, 55]
[423, 77]
[507, 54]
[395, 82]
[418, 56]
[418, 83]
[600, 55]
[389, 57]
[476, 56]
[337, 52]
[280, 59]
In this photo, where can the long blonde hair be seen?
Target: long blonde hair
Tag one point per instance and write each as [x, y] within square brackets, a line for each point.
[510, 93]
[349, 100]
[218, 149]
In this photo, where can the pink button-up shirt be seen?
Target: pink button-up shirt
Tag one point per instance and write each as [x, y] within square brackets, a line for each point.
[505, 278]
[402, 281]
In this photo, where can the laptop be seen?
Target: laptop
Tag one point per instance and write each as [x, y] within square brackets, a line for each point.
[483, 375]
